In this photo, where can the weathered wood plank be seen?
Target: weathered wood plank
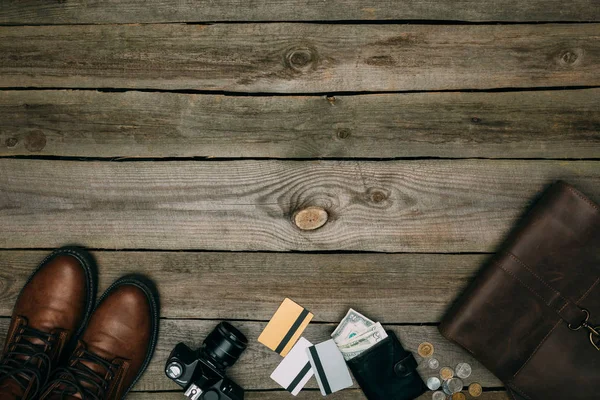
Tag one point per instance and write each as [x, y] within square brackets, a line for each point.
[300, 57]
[257, 363]
[417, 288]
[397, 206]
[132, 11]
[349, 394]
[545, 124]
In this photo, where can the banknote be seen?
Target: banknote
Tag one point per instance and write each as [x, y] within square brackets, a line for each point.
[353, 324]
[363, 342]
[368, 338]
[350, 354]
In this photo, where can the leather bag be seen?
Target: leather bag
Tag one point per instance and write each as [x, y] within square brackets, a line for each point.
[532, 316]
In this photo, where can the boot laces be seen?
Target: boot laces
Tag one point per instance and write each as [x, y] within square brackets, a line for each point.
[79, 378]
[28, 362]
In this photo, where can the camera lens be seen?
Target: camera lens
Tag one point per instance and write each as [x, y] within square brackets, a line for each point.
[225, 344]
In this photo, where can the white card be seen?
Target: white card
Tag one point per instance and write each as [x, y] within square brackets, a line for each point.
[329, 366]
[295, 370]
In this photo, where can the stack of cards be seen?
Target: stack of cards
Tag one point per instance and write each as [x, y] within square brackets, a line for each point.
[303, 360]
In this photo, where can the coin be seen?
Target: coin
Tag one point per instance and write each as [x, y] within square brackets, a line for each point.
[452, 385]
[459, 396]
[475, 389]
[463, 370]
[446, 373]
[433, 383]
[438, 396]
[425, 349]
[446, 390]
[433, 363]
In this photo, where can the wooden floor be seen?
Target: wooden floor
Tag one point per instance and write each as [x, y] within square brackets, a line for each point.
[180, 139]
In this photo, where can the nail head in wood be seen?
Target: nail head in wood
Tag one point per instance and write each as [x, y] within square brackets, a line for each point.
[570, 57]
[11, 142]
[310, 218]
[343, 133]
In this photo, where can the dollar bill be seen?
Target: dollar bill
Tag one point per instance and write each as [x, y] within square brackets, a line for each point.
[350, 352]
[353, 324]
[349, 355]
[368, 338]
[361, 343]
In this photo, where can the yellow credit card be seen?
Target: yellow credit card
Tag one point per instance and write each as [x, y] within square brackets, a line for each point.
[285, 328]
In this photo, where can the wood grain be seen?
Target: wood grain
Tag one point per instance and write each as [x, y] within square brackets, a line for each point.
[398, 206]
[257, 363]
[348, 394]
[416, 288]
[300, 58]
[132, 11]
[544, 124]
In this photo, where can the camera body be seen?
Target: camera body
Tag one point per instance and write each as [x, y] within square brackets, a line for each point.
[201, 372]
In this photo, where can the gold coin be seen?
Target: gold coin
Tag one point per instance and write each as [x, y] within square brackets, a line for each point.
[425, 349]
[475, 389]
[459, 396]
[446, 373]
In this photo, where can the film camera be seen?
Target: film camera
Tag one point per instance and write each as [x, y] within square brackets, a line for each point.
[201, 372]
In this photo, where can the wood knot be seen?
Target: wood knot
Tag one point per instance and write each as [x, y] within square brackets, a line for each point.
[301, 58]
[570, 57]
[35, 141]
[343, 133]
[378, 196]
[310, 218]
[11, 142]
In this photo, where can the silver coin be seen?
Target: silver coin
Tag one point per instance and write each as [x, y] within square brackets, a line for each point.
[452, 385]
[438, 396]
[446, 390]
[433, 363]
[433, 383]
[463, 370]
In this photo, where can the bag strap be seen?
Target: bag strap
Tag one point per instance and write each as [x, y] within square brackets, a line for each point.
[574, 316]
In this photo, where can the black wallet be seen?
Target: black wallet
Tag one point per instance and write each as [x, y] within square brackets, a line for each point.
[387, 372]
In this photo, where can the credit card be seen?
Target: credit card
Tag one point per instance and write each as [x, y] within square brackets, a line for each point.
[329, 367]
[295, 370]
[286, 327]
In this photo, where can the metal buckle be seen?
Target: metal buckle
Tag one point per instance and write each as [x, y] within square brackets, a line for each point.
[595, 336]
[594, 331]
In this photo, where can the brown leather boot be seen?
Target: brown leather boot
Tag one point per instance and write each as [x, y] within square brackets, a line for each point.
[51, 310]
[116, 346]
